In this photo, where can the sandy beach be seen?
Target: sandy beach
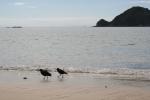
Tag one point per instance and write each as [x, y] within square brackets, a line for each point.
[72, 87]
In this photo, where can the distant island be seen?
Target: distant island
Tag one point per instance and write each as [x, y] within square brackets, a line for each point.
[133, 17]
[15, 27]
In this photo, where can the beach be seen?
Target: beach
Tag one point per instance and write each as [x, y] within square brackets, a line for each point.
[75, 86]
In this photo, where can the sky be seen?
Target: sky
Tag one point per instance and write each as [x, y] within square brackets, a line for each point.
[62, 12]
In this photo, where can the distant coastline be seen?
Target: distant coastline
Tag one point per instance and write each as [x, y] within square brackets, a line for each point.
[133, 17]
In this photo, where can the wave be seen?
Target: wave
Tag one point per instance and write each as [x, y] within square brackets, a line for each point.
[111, 71]
[116, 73]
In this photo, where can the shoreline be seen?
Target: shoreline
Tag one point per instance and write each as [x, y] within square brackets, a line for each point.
[71, 87]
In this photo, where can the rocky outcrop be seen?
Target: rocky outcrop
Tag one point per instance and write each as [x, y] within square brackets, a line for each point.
[135, 16]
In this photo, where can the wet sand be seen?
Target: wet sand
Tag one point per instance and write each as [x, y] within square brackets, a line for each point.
[71, 87]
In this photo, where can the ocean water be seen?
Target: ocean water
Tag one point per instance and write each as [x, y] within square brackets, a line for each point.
[78, 49]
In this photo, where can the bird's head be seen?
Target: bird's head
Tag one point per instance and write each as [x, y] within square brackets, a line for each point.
[39, 70]
[57, 69]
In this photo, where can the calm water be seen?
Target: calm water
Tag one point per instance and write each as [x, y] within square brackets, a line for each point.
[75, 48]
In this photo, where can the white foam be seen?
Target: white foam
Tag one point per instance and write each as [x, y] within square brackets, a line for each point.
[102, 71]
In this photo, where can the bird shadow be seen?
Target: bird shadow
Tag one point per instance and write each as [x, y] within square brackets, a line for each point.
[45, 80]
[60, 79]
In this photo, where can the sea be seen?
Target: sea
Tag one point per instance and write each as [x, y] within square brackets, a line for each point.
[104, 50]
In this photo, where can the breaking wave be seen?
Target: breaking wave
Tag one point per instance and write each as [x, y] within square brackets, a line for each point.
[103, 71]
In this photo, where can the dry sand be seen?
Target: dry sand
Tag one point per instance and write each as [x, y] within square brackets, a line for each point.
[72, 87]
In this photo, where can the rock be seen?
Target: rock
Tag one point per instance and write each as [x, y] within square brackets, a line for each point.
[25, 78]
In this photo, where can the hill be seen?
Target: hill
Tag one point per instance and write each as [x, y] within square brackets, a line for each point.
[135, 16]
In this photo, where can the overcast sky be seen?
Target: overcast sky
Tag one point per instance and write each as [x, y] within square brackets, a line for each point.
[62, 12]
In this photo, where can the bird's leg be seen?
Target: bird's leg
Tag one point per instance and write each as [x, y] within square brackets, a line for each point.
[44, 78]
[61, 75]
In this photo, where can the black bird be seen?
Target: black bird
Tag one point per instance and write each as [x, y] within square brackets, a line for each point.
[45, 73]
[61, 72]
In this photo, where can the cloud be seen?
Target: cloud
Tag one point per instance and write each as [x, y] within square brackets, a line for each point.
[26, 5]
[141, 1]
[144, 1]
[19, 3]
